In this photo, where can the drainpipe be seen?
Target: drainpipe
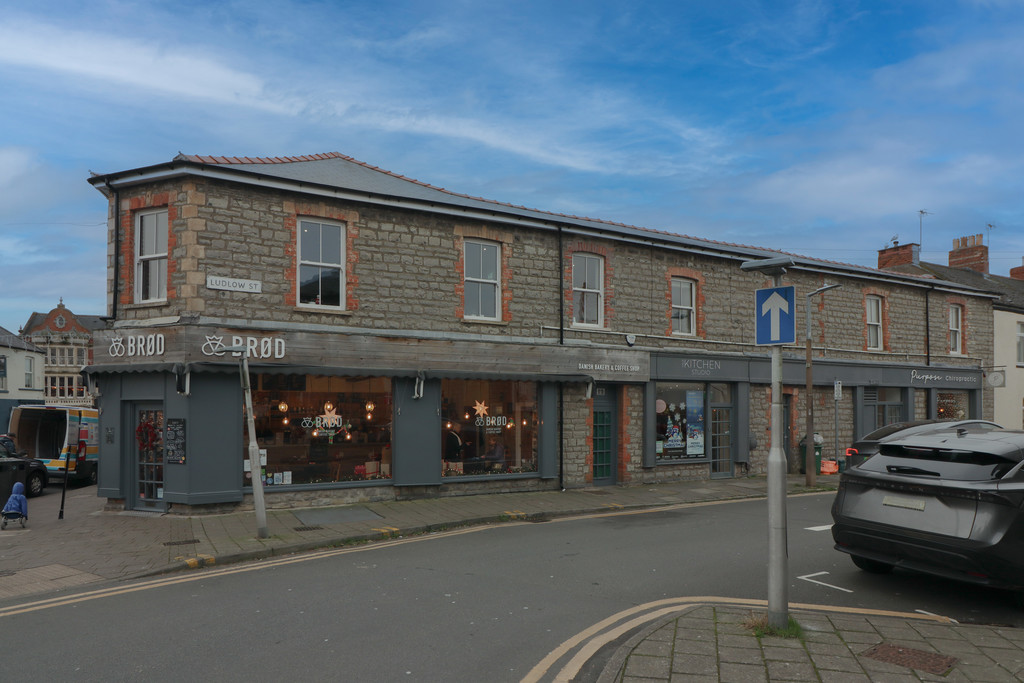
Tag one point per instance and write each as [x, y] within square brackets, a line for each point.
[561, 294]
[117, 248]
[927, 327]
[561, 385]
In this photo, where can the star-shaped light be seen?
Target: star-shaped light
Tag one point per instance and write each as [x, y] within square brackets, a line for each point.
[481, 408]
[331, 417]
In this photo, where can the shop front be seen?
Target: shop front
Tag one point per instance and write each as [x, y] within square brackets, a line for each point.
[706, 414]
[330, 424]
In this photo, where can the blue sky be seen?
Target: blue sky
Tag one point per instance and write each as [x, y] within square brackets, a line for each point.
[819, 128]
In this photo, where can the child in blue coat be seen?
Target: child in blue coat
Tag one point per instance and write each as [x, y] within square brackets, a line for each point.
[17, 502]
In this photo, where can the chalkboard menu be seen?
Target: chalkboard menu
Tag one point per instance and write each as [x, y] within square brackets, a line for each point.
[174, 444]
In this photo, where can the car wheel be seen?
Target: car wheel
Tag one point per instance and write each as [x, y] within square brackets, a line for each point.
[34, 484]
[92, 476]
[872, 566]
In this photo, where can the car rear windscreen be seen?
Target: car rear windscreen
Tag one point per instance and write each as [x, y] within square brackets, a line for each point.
[940, 463]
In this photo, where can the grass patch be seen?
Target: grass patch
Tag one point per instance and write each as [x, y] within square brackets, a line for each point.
[761, 627]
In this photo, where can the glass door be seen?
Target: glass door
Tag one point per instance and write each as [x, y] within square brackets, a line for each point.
[721, 431]
[604, 437]
[149, 457]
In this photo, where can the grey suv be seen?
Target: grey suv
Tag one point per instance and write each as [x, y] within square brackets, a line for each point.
[948, 503]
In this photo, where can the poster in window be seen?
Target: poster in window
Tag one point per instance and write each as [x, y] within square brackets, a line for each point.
[694, 423]
[675, 428]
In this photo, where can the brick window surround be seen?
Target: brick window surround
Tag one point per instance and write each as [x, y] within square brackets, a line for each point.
[883, 297]
[606, 253]
[131, 207]
[485, 234]
[960, 302]
[296, 211]
[697, 277]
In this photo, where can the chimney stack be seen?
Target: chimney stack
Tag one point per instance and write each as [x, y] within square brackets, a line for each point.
[1018, 272]
[899, 255]
[971, 253]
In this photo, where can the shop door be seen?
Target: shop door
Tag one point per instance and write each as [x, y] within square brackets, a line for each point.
[721, 443]
[605, 437]
[149, 457]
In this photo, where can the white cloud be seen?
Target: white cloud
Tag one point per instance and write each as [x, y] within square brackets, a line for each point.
[14, 163]
[178, 71]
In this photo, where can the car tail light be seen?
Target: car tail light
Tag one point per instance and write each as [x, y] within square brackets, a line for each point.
[851, 452]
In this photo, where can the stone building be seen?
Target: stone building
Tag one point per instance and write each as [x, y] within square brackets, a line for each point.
[404, 340]
[968, 264]
[66, 339]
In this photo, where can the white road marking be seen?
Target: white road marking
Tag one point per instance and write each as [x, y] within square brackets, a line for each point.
[809, 579]
[825, 527]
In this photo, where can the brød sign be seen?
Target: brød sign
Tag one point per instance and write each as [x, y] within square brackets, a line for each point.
[154, 345]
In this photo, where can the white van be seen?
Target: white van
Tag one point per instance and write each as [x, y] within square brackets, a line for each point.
[59, 436]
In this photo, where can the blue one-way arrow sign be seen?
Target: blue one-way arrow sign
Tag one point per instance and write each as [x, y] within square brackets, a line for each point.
[775, 315]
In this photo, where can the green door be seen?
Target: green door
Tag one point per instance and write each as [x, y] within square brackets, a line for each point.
[605, 438]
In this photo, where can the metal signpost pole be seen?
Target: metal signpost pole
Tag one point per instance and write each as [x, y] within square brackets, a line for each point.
[810, 448]
[773, 309]
[254, 447]
[778, 552]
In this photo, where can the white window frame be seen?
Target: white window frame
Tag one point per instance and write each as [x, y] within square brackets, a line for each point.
[30, 372]
[587, 284]
[956, 328]
[681, 310]
[6, 363]
[1020, 344]
[151, 259]
[321, 261]
[479, 284]
[873, 315]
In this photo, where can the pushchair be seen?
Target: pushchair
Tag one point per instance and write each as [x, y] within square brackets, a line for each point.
[12, 516]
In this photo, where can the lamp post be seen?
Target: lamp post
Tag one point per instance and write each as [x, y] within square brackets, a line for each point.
[778, 562]
[810, 462]
[254, 448]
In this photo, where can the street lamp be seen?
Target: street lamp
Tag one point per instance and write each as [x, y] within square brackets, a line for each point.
[254, 448]
[778, 596]
[810, 462]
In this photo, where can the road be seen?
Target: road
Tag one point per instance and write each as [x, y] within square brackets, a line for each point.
[486, 603]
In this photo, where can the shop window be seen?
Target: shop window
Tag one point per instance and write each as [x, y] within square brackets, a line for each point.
[588, 289]
[321, 259]
[682, 306]
[680, 425]
[953, 405]
[482, 286]
[887, 404]
[956, 316]
[489, 427]
[873, 311]
[151, 256]
[319, 430]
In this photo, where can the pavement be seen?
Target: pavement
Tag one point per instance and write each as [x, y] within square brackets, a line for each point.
[687, 639]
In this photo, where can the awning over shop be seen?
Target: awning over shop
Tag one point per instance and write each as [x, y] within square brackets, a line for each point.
[327, 371]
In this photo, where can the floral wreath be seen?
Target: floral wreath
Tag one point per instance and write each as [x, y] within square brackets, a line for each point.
[145, 435]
